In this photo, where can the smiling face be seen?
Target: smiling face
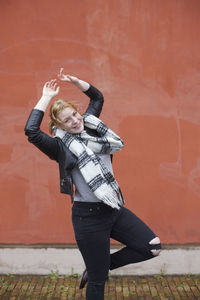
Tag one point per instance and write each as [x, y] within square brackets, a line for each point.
[71, 120]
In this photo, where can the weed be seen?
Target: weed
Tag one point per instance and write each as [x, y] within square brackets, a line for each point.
[10, 275]
[196, 281]
[66, 292]
[70, 286]
[74, 275]
[5, 283]
[72, 270]
[63, 289]
[158, 276]
[180, 285]
[161, 274]
[49, 292]
[133, 282]
[53, 274]
[130, 293]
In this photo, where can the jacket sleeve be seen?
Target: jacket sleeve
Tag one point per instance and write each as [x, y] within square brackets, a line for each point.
[96, 101]
[41, 140]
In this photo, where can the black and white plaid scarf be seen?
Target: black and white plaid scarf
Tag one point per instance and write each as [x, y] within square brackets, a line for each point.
[85, 147]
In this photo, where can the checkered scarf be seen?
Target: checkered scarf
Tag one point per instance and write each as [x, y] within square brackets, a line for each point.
[85, 147]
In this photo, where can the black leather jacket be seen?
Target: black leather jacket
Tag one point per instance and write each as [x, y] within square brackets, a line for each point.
[54, 147]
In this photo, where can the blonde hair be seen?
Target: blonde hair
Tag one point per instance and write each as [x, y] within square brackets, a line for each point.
[55, 109]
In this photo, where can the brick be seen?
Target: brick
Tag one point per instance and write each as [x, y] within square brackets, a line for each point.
[117, 288]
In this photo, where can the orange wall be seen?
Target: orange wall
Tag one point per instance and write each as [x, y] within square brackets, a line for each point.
[144, 56]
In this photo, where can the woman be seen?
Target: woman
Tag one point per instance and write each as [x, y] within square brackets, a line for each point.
[83, 146]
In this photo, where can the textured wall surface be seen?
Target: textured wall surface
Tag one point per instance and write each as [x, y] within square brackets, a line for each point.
[144, 56]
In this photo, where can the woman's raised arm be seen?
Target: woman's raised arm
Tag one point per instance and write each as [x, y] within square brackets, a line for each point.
[36, 136]
[96, 97]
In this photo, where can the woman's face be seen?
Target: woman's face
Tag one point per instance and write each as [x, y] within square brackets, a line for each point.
[71, 120]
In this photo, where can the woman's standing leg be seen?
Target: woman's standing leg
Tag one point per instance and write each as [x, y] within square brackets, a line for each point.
[140, 241]
[92, 228]
[95, 250]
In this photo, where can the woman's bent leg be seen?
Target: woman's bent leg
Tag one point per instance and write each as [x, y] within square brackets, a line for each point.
[141, 243]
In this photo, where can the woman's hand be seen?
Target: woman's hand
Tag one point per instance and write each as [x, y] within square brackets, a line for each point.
[67, 77]
[50, 89]
[82, 85]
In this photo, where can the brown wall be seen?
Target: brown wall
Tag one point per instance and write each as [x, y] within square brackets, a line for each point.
[144, 55]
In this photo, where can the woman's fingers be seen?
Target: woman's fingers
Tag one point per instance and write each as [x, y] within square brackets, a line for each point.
[52, 84]
[64, 77]
[61, 70]
[47, 84]
[58, 89]
[55, 85]
[61, 75]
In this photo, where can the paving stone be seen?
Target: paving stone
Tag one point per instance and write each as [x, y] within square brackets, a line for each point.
[54, 287]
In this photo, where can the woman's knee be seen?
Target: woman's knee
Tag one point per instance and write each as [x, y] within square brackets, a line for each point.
[155, 246]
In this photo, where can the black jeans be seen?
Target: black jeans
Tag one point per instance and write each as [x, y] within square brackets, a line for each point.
[94, 225]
